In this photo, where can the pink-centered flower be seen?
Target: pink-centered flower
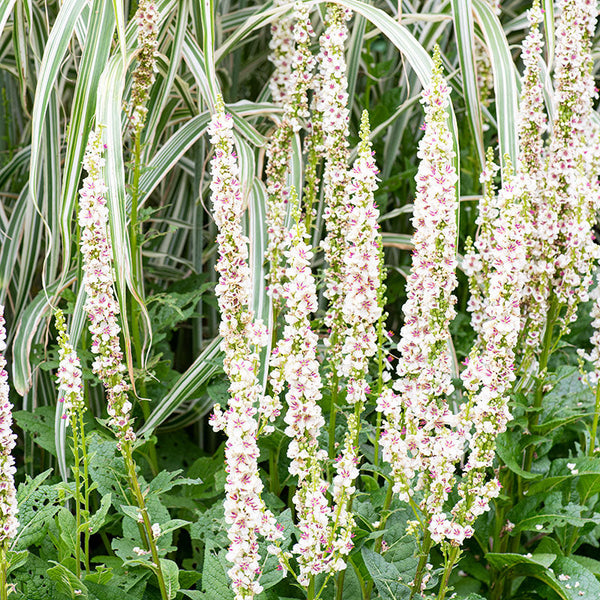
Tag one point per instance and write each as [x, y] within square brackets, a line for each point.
[8, 495]
[70, 386]
[246, 515]
[299, 65]
[491, 364]
[101, 305]
[421, 440]
[147, 18]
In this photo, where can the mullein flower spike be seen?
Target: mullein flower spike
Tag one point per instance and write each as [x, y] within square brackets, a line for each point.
[245, 512]
[422, 439]
[8, 495]
[101, 305]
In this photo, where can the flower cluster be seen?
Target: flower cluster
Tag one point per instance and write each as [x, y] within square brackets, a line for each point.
[295, 104]
[294, 361]
[572, 189]
[361, 309]
[331, 104]
[541, 219]
[281, 56]
[101, 305]
[8, 495]
[490, 367]
[245, 512]
[421, 438]
[361, 274]
[147, 17]
[69, 372]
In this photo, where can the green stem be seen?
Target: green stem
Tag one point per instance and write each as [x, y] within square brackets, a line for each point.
[379, 541]
[3, 575]
[78, 497]
[333, 412]
[86, 492]
[425, 548]
[450, 562]
[310, 593]
[126, 450]
[534, 415]
[595, 422]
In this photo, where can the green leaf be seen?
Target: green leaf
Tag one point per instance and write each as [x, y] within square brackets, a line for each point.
[98, 519]
[67, 528]
[39, 425]
[15, 560]
[215, 582]
[67, 582]
[510, 453]
[170, 572]
[108, 592]
[385, 575]
[33, 580]
[37, 506]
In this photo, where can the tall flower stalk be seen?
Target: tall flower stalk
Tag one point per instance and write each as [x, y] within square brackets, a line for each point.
[147, 19]
[8, 494]
[572, 190]
[542, 227]
[245, 512]
[293, 87]
[102, 309]
[421, 439]
[70, 389]
[490, 367]
[331, 106]
[294, 362]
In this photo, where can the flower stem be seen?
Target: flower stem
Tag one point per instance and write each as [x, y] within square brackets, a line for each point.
[425, 548]
[3, 575]
[134, 484]
[78, 496]
[451, 559]
[595, 422]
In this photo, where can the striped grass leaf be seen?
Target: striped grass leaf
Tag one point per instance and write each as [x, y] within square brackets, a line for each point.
[6, 7]
[505, 84]
[9, 249]
[21, 55]
[189, 386]
[397, 240]
[194, 59]
[52, 60]
[207, 14]
[465, 41]
[355, 49]
[30, 332]
[119, 13]
[548, 6]
[170, 154]
[109, 117]
[261, 301]
[93, 61]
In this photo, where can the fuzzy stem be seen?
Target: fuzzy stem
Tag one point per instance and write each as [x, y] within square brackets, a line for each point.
[3, 575]
[450, 562]
[595, 422]
[78, 496]
[425, 548]
[134, 484]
